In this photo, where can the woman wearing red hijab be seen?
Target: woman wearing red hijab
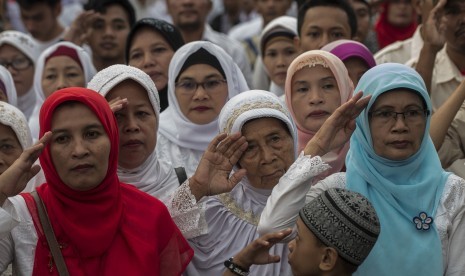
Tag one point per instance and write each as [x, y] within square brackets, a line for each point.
[397, 21]
[103, 226]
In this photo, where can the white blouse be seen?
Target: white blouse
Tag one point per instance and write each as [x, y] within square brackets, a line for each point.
[219, 227]
[178, 156]
[449, 218]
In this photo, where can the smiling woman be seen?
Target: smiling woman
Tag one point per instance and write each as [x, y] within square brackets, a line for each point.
[82, 187]
[202, 78]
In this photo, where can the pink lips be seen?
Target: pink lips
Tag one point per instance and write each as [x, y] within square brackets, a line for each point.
[400, 144]
[201, 108]
[82, 168]
[317, 113]
[132, 143]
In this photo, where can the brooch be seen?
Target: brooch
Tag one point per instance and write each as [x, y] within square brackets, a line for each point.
[423, 222]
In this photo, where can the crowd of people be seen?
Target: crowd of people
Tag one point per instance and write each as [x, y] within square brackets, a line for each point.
[220, 137]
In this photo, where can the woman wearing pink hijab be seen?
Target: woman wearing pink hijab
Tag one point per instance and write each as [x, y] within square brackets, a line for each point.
[317, 83]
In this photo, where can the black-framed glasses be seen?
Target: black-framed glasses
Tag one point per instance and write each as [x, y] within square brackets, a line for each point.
[17, 63]
[190, 86]
[413, 115]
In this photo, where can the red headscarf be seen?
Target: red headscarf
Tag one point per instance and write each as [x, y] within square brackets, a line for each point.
[112, 229]
[387, 33]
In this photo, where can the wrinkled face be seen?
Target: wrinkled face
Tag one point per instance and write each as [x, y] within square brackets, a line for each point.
[271, 9]
[269, 154]
[356, 67]
[306, 251]
[362, 11]
[10, 148]
[40, 20]
[314, 96]
[454, 12]
[80, 147]
[201, 104]
[278, 55]
[22, 78]
[400, 13]
[397, 139]
[323, 25]
[109, 32]
[152, 54]
[137, 124]
[61, 72]
[189, 14]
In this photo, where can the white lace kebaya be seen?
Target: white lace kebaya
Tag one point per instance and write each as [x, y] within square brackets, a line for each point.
[153, 176]
[220, 226]
[181, 141]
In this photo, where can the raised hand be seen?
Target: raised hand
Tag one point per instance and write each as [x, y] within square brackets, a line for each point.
[81, 28]
[117, 104]
[338, 128]
[16, 177]
[213, 174]
[434, 29]
[257, 252]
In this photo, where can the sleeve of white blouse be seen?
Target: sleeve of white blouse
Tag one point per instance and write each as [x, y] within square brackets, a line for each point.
[8, 218]
[288, 196]
[456, 232]
[187, 213]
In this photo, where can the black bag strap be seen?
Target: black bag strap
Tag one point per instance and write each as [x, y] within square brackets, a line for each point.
[50, 236]
[181, 174]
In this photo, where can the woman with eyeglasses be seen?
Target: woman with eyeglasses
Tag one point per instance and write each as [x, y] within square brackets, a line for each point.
[18, 54]
[202, 77]
[393, 162]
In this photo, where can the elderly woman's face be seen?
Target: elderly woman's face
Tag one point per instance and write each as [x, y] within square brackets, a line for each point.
[137, 124]
[61, 72]
[201, 92]
[314, 96]
[23, 77]
[151, 53]
[80, 147]
[10, 148]
[397, 136]
[270, 151]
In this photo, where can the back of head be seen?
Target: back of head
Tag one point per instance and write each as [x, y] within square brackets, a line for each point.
[101, 6]
[344, 220]
[341, 4]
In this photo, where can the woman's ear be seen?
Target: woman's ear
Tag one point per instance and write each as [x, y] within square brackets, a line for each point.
[328, 259]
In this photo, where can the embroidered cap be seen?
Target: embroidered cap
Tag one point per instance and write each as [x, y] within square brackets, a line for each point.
[344, 220]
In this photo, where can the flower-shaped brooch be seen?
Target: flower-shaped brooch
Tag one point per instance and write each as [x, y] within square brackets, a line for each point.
[423, 222]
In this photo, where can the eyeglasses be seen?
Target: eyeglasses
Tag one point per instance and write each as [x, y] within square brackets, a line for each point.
[388, 116]
[17, 64]
[190, 86]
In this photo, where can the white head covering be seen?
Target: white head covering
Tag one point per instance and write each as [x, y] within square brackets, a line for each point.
[14, 118]
[21, 41]
[10, 89]
[86, 62]
[255, 104]
[173, 124]
[89, 72]
[153, 176]
[29, 47]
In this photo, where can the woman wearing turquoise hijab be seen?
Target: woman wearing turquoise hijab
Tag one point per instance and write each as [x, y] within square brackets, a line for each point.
[393, 162]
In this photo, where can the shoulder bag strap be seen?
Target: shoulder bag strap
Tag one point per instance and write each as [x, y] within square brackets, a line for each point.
[50, 236]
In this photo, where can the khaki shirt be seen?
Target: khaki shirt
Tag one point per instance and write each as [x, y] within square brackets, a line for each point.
[401, 51]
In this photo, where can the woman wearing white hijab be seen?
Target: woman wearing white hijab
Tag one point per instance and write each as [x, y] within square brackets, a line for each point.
[7, 87]
[228, 221]
[138, 122]
[19, 53]
[188, 125]
[15, 137]
[67, 49]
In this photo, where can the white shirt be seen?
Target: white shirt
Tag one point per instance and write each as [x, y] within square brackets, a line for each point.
[247, 29]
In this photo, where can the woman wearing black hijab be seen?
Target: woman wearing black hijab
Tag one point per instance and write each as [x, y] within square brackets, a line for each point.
[150, 46]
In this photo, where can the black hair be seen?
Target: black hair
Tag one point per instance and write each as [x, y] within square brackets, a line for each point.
[341, 4]
[102, 5]
[27, 4]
